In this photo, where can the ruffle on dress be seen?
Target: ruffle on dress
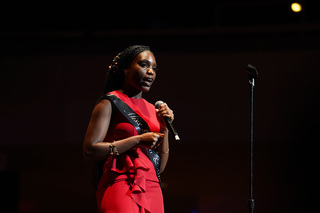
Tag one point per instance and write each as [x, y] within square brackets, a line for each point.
[135, 168]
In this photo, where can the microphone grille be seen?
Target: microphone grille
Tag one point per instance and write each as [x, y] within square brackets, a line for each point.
[158, 103]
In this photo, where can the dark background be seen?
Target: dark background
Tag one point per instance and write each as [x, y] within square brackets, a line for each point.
[53, 60]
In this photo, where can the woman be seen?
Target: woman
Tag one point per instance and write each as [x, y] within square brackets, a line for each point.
[129, 181]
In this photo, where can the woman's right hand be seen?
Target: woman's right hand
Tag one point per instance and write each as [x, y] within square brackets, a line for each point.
[151, 140]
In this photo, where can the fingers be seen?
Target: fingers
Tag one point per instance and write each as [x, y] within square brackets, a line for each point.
[156, 136]
[153, 145]
[159, 141]
[155, 139]
[165, 111]
[151, 140]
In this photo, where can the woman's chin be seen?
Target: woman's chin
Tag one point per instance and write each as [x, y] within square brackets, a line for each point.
[145, 88]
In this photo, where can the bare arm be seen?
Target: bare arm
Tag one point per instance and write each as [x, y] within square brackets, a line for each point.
[163, 149]
[95, 149]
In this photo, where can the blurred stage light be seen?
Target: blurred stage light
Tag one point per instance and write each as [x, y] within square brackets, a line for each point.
[296, 7]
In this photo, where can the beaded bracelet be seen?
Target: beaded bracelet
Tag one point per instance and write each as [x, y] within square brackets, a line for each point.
[113, 149]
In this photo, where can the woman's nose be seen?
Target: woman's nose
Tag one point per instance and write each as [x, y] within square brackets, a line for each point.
[150, 71]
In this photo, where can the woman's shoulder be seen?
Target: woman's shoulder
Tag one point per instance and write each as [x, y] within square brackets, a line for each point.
[103, 105]
[115, 92]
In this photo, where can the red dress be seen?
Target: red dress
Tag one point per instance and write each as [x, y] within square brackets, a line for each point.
[129, 182]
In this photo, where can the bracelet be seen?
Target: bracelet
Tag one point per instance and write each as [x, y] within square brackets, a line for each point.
[113, 149]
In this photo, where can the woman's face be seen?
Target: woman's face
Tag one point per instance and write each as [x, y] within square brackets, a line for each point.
[141, 73]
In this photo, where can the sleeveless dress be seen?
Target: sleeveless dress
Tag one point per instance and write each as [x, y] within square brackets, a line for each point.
[129, 183]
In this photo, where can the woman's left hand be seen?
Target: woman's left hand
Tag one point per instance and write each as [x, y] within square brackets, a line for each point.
[164, 112]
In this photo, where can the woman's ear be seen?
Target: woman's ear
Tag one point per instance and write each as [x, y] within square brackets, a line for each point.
[125, 71]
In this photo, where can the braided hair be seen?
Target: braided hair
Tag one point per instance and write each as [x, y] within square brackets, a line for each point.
[115, 74]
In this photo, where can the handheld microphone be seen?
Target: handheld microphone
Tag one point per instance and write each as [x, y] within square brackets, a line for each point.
[168, 123]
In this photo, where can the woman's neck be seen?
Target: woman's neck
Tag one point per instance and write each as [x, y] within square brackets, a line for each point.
[131, 94]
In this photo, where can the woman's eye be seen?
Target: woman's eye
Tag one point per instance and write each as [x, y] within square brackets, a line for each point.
[143, 64]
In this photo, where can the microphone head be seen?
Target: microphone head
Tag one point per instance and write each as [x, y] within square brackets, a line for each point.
[158, 103]
[252, 71]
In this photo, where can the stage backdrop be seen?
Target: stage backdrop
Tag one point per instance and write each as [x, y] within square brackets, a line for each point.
[49, 88]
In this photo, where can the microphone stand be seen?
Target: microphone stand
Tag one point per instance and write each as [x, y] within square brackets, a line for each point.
[253, 74]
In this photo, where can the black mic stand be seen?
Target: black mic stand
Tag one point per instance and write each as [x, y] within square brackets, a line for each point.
[253, 74]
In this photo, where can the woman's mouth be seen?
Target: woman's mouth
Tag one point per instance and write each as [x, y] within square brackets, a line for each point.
[147, 81]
